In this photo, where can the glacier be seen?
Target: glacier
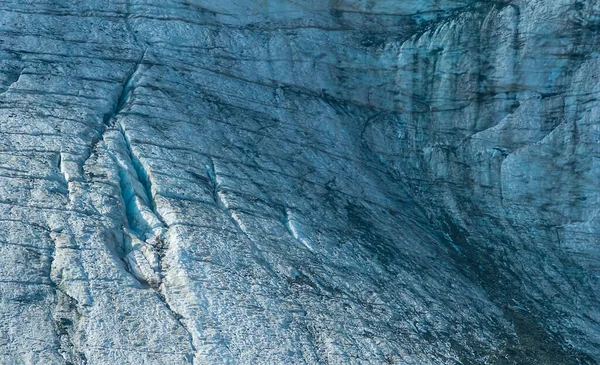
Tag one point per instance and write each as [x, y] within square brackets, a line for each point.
[299, 182]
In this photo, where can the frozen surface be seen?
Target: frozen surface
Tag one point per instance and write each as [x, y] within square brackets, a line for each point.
[299, 182]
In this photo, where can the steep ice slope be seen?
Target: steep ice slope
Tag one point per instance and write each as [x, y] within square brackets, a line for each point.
[299, 182]
[501, 129]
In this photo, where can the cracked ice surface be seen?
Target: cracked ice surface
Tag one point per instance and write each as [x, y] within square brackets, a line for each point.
[287, 182]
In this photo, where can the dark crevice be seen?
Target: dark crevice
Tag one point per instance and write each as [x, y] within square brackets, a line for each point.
[66, 319]
[132, 199]
[157, 242]
[108, 118]
[126, 89]
[66, 316]
[180, 319]
[141, 172]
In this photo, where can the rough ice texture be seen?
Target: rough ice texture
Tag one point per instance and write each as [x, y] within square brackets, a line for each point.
[299, 182]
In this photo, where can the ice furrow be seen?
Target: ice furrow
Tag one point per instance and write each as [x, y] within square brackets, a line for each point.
[145, 241]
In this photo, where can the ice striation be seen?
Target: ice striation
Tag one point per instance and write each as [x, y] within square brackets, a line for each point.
[299, 182]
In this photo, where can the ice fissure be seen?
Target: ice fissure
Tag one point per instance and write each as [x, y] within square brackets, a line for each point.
[144, 237]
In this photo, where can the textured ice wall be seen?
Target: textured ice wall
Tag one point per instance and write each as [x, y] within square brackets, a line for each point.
[410, 182]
